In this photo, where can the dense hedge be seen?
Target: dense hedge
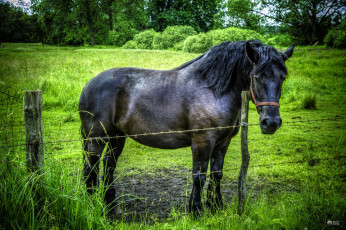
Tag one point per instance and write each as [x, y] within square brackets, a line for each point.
[119, 36]
[198, 43]
[233, 34]
[202, 42]
[337, 37]
[149, 39]
[283, 40]
[185, 38]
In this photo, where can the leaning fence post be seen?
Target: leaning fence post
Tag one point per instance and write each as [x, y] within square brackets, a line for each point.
[33, 129]
[245, 156]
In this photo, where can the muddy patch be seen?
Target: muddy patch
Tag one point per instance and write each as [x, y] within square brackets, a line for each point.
[151, 196]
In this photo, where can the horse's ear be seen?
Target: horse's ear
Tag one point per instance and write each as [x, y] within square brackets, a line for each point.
[288, 53]
[251, 53]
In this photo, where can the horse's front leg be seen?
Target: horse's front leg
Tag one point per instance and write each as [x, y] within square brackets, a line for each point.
[201, 152]
[214, 198]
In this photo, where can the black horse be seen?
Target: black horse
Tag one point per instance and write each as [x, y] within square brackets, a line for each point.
[202, 93]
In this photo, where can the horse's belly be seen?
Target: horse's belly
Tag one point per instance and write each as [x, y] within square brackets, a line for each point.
[163, 140]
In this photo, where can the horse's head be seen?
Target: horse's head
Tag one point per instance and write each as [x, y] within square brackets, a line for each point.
[266, 80]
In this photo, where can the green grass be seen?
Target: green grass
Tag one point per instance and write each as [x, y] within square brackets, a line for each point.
[284, 196]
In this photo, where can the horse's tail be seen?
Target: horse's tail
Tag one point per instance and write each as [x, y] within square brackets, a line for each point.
[84, 138]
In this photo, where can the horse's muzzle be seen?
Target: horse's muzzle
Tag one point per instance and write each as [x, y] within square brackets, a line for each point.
[270, 120]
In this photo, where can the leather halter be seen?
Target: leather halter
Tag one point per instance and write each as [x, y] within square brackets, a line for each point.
[258, 104]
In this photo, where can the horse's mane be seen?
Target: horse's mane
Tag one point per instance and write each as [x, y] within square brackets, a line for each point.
[222, 62]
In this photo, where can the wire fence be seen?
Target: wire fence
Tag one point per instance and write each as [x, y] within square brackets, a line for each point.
[168, 132]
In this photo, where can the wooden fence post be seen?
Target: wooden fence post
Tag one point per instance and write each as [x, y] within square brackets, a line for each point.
[245, 156]
[33, 129]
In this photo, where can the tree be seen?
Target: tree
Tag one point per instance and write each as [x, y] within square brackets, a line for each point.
[307, 20]
[202, 15]
[17, 25]
[242, 13]
[71, 22]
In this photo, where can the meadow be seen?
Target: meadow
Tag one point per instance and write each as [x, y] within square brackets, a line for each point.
[296, 178]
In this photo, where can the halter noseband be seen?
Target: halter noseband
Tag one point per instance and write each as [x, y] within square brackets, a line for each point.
[259, 104]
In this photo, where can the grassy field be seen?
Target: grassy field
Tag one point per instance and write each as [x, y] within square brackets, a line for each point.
[302, 195]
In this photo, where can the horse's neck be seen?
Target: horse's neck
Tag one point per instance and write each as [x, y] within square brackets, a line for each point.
[241, 83]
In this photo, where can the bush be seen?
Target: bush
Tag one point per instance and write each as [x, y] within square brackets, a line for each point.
[198, 43]
[232, 34]
[337, 37]
[130, 45]
[283, 40]
[179, 45]
[159, 42]
[171, 36]
[144, 40]
[120, 36]
[308, 101]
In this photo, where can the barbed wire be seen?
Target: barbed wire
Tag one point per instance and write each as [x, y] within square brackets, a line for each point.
[9, 95]
[170, 132]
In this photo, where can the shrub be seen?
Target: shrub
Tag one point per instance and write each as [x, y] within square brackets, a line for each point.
[308, 101]
[198, 43]
[159, 42]
[283, 40]
[120, 36]
[337, 37]
[130, 45]
[179, 45]
[176, 34]
[171, 36]
[144, 40]
[232, 34]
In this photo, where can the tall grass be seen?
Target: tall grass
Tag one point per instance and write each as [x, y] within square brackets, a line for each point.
[54, 200]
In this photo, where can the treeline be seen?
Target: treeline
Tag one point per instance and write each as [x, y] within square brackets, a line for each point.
[115, 22]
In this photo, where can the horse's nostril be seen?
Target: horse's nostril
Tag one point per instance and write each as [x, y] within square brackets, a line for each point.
[264, 123]
[269, 125]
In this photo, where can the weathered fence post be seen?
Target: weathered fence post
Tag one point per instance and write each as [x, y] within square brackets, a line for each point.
[245, 156]
[33, 129]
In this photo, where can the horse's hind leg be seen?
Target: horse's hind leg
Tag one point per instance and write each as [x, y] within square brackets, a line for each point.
[110, 159]
[91, 160]
[214, 198]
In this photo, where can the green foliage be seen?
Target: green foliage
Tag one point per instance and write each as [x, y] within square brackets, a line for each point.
[241, 14]
[337, 36]
[307, 21]
[202, 42]
[308, 101]
[202, 15]
[159, 43]
[126, 19]
[198, 43]
[130, 45]
[232, 34]
[119, 38]
[171, 36]
[282, 40]
[179, 45]
[144, 40]
[18, 26]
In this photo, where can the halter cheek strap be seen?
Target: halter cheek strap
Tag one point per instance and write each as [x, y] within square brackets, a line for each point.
[259, 104]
